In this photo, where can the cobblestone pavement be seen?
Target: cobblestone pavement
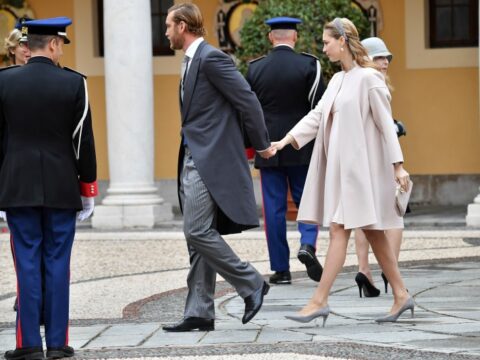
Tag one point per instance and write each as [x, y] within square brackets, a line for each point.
[126, 284]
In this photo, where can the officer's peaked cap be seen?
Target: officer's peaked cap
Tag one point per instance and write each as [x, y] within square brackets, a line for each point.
[19, 25]
[376, 48]
[283, 22]
[52, 26]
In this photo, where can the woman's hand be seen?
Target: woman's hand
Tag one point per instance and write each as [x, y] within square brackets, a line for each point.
[279, 145]
[401, 176]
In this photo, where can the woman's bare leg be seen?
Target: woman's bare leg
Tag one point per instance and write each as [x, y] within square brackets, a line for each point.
[394, 237]
[386, 258]
[336, 253]
[361, 248]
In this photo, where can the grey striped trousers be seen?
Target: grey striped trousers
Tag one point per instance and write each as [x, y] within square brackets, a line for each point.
[209, 253]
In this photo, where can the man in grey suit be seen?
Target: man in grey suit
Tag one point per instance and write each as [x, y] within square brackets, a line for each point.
[214, 181]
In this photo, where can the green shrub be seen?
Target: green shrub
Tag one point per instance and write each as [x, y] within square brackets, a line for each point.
[314, 14]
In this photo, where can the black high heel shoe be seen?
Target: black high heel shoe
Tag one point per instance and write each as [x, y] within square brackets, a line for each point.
[364, 284]
[385, 281]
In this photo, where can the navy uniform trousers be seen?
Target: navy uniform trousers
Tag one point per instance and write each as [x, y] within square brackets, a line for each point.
[42, 235]
[275, 182]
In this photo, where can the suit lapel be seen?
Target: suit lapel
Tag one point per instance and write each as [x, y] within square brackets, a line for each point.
[180, 97]
[191, 81]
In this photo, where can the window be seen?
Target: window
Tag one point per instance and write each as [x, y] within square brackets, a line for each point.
[160, 43]
[453, 23]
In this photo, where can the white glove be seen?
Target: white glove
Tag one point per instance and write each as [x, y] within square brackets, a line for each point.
[3, 216]
[88, 204]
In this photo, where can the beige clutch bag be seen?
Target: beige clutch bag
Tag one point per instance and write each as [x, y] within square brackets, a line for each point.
[402, 197]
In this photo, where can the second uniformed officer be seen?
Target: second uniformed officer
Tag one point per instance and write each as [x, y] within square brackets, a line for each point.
[288, 85]
[47, 174]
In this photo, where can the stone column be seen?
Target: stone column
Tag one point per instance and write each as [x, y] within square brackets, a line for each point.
[473, 211]
[132, 199]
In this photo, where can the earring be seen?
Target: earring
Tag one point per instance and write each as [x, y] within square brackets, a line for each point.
[341, 49]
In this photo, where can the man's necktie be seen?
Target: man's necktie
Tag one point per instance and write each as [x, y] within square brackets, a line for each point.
[184, 71]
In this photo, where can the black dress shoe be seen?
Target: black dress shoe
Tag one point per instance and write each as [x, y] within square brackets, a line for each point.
[191, 323]
[254, 302]
[307, 256]
[60, 352]
[281, 277]
[31, 353]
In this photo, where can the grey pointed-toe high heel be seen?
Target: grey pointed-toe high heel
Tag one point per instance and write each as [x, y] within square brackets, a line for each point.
[409, 305]
[323, 312]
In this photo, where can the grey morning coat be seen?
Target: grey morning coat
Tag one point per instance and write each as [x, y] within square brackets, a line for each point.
[217, 103]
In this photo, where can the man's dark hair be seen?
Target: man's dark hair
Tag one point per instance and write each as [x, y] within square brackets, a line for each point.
[38, 42]
[190, 14]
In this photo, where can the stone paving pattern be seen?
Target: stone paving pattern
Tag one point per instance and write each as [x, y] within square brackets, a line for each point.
[112, 271]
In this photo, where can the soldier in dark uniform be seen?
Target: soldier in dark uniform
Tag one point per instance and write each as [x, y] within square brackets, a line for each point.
[47, 174]
[288, 85]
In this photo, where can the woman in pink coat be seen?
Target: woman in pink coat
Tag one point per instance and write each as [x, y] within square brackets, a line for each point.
[355, 165]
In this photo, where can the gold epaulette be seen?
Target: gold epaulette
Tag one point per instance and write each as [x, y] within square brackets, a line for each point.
[9, 67]
[311, 55]
[76, 72]
[259, 58]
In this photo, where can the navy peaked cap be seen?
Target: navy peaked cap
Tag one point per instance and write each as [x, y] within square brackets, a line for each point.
[283, 22]
[19, 25]
[21, 21]
[52, 26]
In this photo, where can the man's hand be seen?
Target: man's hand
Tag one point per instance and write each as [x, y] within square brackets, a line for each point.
[267, 154]
[88, 206]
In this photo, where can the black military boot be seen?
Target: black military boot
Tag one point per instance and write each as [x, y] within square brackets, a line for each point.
[60, 352]
[307, 256]
[281, 278]
[30, 353]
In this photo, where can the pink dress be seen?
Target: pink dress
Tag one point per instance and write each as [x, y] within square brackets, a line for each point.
[333, 207]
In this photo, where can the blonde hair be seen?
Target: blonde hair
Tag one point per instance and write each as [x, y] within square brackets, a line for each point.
[11, 42]
[388, 82]
[343, 27]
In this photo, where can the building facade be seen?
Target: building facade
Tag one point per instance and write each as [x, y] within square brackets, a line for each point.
[436, 94]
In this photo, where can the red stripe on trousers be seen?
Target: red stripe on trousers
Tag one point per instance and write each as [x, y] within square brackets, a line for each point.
[19, 323]
[263, 210]
[68, 324]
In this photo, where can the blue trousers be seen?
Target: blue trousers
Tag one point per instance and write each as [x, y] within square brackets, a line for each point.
[275, 183]
[42, 235]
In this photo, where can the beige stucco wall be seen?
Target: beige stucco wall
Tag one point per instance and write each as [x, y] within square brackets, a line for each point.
[439, 106]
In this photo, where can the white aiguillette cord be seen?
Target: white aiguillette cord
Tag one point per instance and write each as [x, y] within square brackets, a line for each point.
[79, 127]
[313, 90]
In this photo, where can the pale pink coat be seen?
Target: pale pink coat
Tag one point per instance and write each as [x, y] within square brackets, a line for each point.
[368, 148]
